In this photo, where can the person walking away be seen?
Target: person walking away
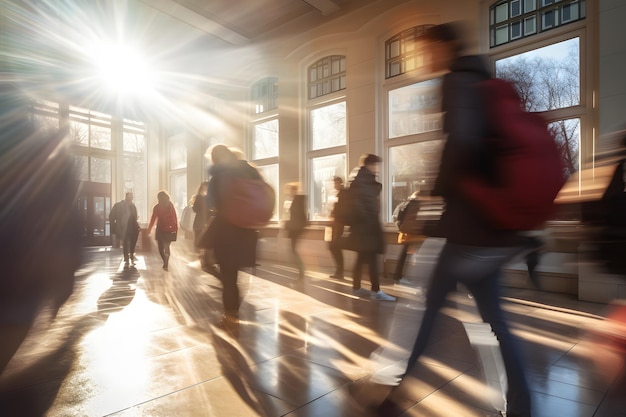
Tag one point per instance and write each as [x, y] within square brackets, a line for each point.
[337, 228]
[296, 223]
[475, 250]
[123, 219]
[409, 230]
[366, 233]
[201, 223]
[164, 215]
[237, 245]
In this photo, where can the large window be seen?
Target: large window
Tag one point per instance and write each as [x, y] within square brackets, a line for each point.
[548, 80]
[327, 133]
[265, 132]
[135, 169]
[540, 46]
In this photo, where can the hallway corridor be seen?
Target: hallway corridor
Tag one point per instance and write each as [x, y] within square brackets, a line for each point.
[145, 342]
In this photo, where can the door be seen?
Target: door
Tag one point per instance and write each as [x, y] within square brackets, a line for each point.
[94, 204]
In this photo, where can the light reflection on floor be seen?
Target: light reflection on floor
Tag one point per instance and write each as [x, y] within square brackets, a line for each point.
[139, 341]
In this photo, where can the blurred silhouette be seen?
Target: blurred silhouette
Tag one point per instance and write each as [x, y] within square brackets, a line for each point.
[187, 219]
[337, 228]
[366, 232]
[164, 215]
[296, 222]
[476, 249]
[235, 246]
[39, 227]
[123, 218]
[409, 230]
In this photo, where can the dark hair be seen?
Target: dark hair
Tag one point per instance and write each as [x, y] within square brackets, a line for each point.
[372, 159]
[447, 32]
[338, 179]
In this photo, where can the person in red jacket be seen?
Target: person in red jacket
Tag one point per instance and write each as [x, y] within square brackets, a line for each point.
[164, 215]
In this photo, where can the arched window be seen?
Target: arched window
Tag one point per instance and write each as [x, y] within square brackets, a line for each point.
[264, 95]
[327, 76]
[404, 52]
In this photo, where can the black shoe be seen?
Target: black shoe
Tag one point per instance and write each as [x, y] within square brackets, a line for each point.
[337, 276]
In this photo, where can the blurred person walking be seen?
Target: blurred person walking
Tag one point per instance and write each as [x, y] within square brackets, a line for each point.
[475, 250]
[123, 219]
[297, 220]
[40, 229]
[164, 215]
[366, 232]
[409, 230]
[234, 246]
[337, 228]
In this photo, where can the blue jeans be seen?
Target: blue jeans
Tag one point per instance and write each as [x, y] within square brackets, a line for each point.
[479, 268]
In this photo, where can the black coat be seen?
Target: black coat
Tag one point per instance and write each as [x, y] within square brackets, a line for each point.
[466, 152]
[298, 218]
[233, 245]
[366, 233]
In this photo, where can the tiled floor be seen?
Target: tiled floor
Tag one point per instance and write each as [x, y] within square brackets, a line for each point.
[145, 342]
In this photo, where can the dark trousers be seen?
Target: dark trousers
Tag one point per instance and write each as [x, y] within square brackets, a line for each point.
[128, 244]
[164, 251]
[296, 256]
[230, 289]
[371, 259]
[479, 268]
[401, 261]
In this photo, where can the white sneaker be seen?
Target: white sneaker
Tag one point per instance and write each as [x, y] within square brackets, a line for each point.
[361, 292]
[404, 281]
[381, 296]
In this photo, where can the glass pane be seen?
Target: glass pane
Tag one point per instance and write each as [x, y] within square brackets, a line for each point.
[135, 176]
[100, 137]
[516, 9]
[270, 174]
[530, 25]
[328, 126]
[79, 133]
[178, 191]
[570, 12]
[530, 5]
[516, 30]
[394, 49]
[100, 170]
[134, 142]
[549, 77]
[265, 140]
[99, 216]
[502, 12]
[502, 34]
[567, 135]
[46, 122]
[323, 194]
[178, 154]
[547, 19]
[413, 167]
[415, 109]
[81, 167]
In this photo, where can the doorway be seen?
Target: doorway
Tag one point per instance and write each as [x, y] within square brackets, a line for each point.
[94, 206]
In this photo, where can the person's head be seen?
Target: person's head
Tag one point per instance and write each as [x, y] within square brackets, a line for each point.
[129, 197]
[203, 189]
[338, 181]
[220, 155]
[163, 197]
[292, 188]
[446, 44]
[372, 163]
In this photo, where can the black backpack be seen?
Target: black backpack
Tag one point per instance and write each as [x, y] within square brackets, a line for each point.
[343, 211]
[407, 217]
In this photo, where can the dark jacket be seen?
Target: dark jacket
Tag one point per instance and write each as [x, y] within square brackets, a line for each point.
[203, 213]
[233, 245]
[366, 234]
[298, 218]
[465, 151]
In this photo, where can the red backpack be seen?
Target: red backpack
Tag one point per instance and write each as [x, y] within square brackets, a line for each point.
[527, 162]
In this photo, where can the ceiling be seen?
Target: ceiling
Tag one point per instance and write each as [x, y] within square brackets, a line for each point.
[240, 22]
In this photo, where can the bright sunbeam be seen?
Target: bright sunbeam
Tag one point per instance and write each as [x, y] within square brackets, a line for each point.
[122, 69]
